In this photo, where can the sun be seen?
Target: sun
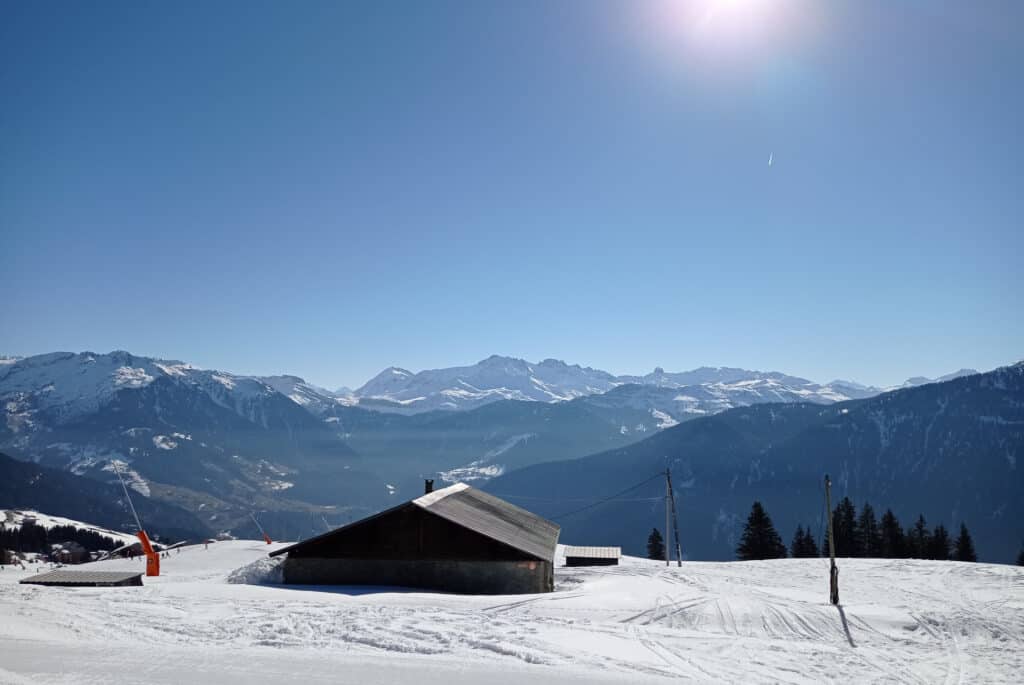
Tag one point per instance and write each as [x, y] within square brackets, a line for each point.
[728, 16]
[729, 29]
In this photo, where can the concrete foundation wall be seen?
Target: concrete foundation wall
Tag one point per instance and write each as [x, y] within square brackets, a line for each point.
[467, 577]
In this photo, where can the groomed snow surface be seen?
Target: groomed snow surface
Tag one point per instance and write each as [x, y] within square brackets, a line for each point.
[901, 621]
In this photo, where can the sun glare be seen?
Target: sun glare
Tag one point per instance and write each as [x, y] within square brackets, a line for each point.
[727, 29]
[735, 18]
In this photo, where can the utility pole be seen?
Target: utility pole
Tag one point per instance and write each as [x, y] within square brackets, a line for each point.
[833, 573]
[668, 494]
[675, 519]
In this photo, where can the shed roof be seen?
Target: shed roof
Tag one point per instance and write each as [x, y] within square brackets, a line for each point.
[482, 513]
[495, 518]
[82, 577]
[593, 552]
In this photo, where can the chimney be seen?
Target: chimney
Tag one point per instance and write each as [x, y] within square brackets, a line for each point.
[428, 486]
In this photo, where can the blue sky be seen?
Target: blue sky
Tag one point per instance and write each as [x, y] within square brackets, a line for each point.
[330, 188]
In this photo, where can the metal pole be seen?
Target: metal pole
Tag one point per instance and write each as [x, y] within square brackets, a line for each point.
[668, 493]
[675, 521]
[833, 572]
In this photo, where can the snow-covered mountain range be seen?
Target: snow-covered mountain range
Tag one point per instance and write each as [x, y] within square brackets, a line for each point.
[494, 378]
[951, 451]
[68, 386]
[71, 385]
[498, 378]
[221, 443]
[210, 441]
[708, 389]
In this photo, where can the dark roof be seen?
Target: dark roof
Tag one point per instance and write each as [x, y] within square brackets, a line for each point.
[593, 552]
[482, 513]
[82, 577]
[495, 518]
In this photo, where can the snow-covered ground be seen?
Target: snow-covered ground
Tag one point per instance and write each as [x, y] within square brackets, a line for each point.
[901, 621]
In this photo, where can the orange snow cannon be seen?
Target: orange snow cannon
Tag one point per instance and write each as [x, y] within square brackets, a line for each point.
[152, 558]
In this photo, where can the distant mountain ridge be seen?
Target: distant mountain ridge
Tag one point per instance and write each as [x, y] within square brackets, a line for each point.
[221, 444]
[952, 450]
[398, 390]
[921, 380]
[502, 378]
[215, 443]
[492, 379]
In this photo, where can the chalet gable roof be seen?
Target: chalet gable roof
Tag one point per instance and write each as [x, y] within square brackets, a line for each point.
[481, 513]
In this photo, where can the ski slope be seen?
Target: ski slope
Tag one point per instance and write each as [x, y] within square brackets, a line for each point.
[15, 518]
[900, 621]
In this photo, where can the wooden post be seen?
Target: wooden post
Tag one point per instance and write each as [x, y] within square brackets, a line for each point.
[833, 572]
[668, 494]
[675, 520]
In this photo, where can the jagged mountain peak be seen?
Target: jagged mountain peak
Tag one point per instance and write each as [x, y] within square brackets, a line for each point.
[70, 385]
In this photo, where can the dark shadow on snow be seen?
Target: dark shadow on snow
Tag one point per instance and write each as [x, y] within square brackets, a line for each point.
[846, 626]
[352, 590]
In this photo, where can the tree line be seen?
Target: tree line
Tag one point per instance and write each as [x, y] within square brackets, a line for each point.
[31, 537]
[856, 535]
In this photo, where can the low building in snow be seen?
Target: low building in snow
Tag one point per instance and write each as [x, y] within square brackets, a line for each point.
[86, 579]
[592, 556]
[457, 539]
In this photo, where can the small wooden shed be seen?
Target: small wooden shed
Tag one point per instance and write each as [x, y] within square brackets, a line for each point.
[592, 556]
[85, 578]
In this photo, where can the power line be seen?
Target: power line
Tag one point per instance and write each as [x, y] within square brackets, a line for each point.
[576, 499]
[608, 499]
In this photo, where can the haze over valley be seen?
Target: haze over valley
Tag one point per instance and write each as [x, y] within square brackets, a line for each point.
[217, 445]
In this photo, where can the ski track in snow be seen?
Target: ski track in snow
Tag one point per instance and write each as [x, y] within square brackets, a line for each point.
[900, 621]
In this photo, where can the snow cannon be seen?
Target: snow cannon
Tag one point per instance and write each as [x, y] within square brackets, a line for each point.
[152, 558]
[266, 537]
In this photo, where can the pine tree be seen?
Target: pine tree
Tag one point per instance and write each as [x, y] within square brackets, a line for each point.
[964, 546]
[844, 529]
[868, 533]
[939, 544]
[893, 545]
[796, 548]
[760, 539]
[918, 539]
[811, 545]
[655, 545]
[803, 546]
[1020, 558]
